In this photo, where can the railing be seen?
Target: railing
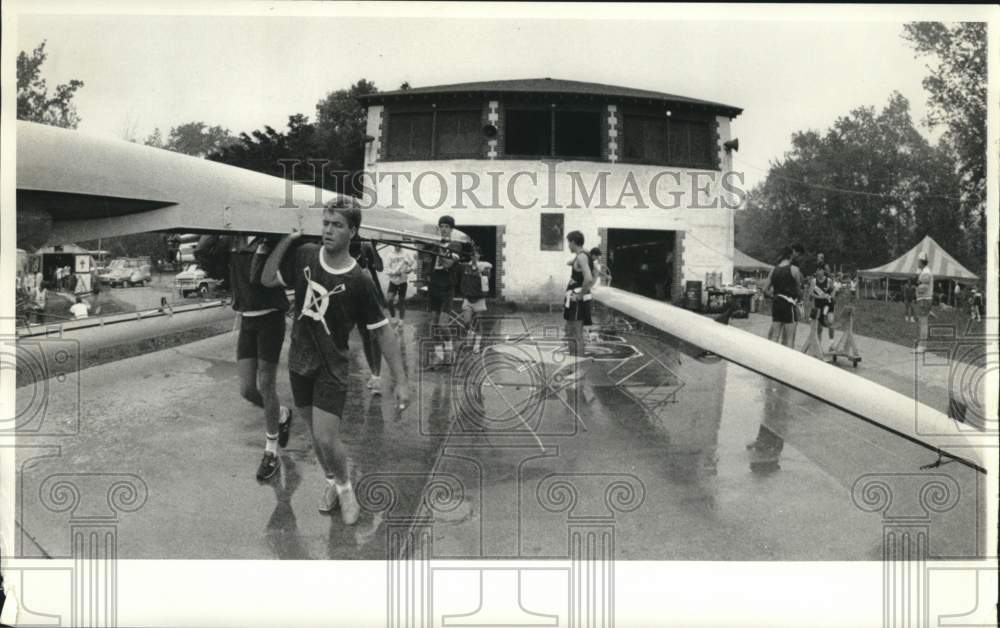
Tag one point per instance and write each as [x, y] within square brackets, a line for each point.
[58, 328]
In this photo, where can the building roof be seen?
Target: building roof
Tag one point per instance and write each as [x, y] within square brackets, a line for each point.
[942, 265]
[550, 86]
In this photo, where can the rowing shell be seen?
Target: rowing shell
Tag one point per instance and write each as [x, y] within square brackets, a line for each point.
[72, 186]
[856, 395]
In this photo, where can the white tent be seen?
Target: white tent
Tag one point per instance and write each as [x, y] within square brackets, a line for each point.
[943, 266]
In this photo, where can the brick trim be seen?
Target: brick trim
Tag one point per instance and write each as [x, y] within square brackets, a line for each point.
[677, 287]
[501, 266]
[612, 141]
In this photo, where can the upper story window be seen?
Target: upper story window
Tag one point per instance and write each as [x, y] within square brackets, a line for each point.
[551, 132]
[458, 134]
[410, 135]
[674, 140]
[434, 135]
[578, 134]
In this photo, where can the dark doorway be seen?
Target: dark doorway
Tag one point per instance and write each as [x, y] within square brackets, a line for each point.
[486, 238]
[642, 261]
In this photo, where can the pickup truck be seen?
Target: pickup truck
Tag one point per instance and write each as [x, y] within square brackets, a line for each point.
[193, 279]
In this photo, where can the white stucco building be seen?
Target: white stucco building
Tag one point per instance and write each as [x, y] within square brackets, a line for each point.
[645, 176]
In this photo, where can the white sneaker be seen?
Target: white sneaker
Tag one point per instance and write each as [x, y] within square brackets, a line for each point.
[328, 500]
[372, 382]
[349, 508]
[375, 384]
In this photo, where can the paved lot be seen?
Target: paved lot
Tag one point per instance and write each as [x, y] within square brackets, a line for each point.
[653, 447]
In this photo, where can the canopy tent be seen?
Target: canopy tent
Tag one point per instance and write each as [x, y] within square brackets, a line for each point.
[65, 248]
[745, 263]
[942, 265]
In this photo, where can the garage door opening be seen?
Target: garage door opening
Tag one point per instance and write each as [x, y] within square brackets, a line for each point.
[642, 261]
[486, 238]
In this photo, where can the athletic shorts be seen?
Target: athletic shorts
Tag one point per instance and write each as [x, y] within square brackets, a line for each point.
[578, 311]
[924, 307]
[318, 390]
[782, 311]
[479, 305]
[439, 301]
[817, 311]
[399, 289]
[261, 337]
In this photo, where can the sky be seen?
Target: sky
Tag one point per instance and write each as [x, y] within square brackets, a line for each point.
[242, 72]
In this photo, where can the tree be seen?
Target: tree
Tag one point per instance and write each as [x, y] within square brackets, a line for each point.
[341, 125]
[336, 138]
[33, 100]
[198, 139]
[154, 139]
[956, 89]
[863, 192]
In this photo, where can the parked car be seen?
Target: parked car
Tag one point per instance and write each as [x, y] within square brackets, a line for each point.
[127, 273]
[194, 279]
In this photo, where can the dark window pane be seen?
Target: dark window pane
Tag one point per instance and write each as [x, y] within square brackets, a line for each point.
[655, 137]
[528, 133]
[634, 142]
[552, 232]
[458, 134]
[700, 143]
[646, 139]
[410, 135]
[690, 143]
[578, 134]
[680, 143]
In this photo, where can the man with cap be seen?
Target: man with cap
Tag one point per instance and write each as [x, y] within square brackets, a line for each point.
[925, 296]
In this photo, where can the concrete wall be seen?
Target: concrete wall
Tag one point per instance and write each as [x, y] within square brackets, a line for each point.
[514, 193]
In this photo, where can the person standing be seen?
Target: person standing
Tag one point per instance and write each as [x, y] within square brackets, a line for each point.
[441, 290]
[576, 307]
[398, 268]
[41, 298]
[29, 284]
[474, 287]
[261, 312]
[823, 303]
[332, 295]
[370, 260]
[925, 299]
[601, 272]
[908, 295]
[785, 285]
[975, 309]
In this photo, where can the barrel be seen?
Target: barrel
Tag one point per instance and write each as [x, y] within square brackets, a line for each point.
[692, 296]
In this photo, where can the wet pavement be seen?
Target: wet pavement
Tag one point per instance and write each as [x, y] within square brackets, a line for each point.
[498, 456]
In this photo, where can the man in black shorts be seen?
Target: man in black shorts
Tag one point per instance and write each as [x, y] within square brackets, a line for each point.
[332, 295]
[258, 348]
[785, 285]
[576, 307]
[442, 282]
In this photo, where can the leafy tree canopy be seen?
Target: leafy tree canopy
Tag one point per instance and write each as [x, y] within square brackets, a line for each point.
[34, 102]
[956, 87]
[864, 191]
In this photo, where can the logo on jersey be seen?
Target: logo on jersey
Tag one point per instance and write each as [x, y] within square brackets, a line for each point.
[317, 299]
